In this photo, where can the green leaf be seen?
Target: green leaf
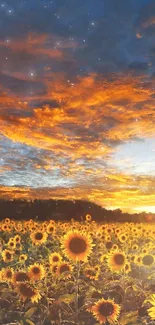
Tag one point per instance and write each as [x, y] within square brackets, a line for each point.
[67, 298]
[128, 318]
[21, 322]
[30, 312]
[29, 322]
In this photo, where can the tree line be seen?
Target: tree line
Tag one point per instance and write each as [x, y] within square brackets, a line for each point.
[66, 210]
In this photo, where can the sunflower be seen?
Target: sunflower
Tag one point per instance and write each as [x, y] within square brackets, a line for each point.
[38, 237]
[145, 250]
[109, 230]
[108, 238]
[88, 217]
[7, 274]
[18, 226]
[135, 247]
[91, 272]
[138, 260]
[148, 260]
[151, 311]
[18, 246]
[17, 239]
[132, 258]
[77, 246]
[117, 231]
[22, 258]
[116, 261]
[115, 247]
[7, 221]
[11, 244]
[127, 267]
[106, 310]
[17, 252]
[21, 276]
[123, 238]
[6, 228]
[28, 291]
[50, 228]
[11, 239]
[103, 237]
[52, 222]
[7, 256]
[103, 258]
[152, 300]
[53, 269]
[55, 258]
[65, 269]
[36, 272]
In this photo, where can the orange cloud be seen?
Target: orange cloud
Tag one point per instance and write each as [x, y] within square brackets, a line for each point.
[149, 22]
[88, 120]
[40, 45]
[88, 116]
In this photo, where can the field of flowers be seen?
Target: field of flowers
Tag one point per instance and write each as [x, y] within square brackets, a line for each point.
[76, 273]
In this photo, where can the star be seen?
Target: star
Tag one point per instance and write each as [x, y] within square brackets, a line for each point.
[32, 74]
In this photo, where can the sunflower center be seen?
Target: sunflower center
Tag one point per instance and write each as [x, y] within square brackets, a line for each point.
[148, 260]
[17, 251]
[8, 256]
[119, 259]
[38, 236]
[106, 309]
[90, 272]
[9, 274]
[22, 257]
[21, 276]
[55, 258]
[26, 290]
[36, 270]
[109, 244]
[77, 245]
[64, 268]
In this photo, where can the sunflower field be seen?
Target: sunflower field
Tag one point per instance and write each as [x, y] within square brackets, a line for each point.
[82, 273]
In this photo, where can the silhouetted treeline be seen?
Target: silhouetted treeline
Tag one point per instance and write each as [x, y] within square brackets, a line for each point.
[65, 210]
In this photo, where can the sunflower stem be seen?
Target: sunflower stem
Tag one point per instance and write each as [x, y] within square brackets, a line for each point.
[77, 290]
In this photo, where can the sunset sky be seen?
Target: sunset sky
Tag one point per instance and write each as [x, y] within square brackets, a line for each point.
[77, 101]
